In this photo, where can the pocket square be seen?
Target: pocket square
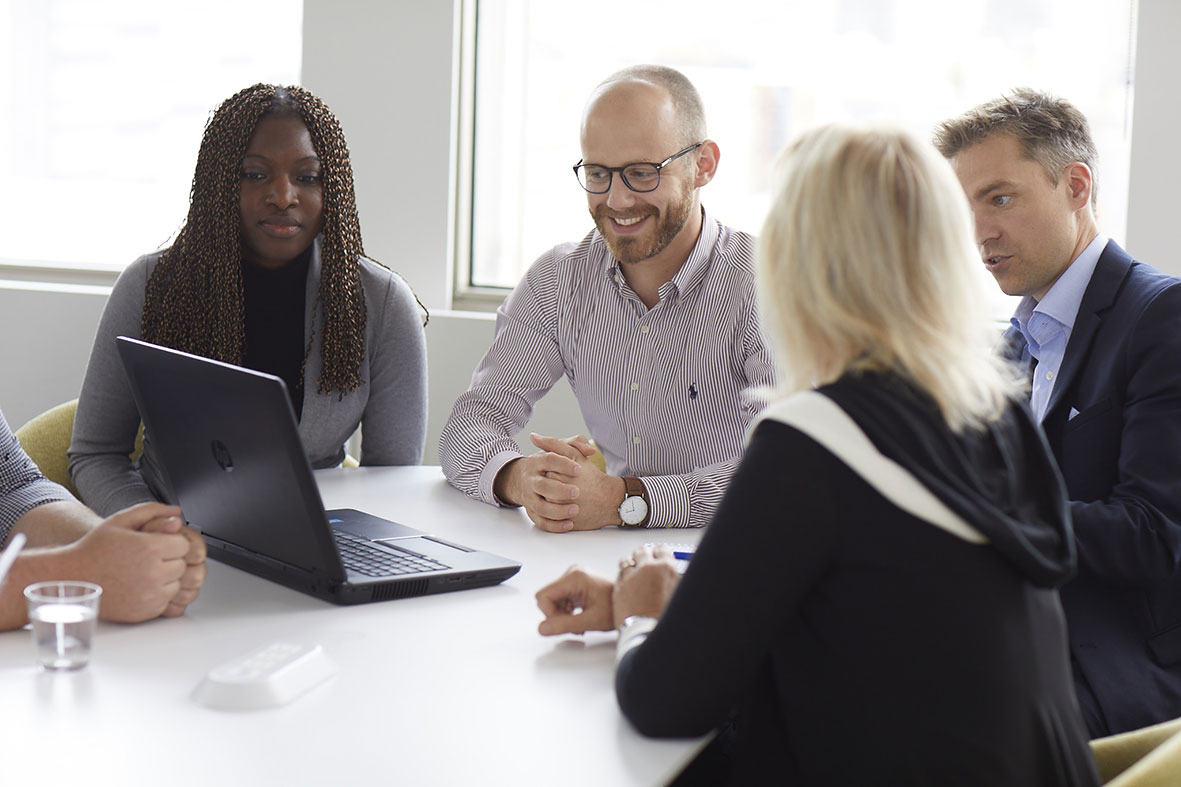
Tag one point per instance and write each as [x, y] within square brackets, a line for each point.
[1070, 416]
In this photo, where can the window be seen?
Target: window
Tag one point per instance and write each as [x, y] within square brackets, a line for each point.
[766, 71]
[104, 107]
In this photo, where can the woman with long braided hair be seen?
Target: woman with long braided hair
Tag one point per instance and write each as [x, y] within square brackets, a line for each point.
[268, 272]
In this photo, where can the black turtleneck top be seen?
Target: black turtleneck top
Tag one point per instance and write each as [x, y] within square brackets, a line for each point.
[276, 339]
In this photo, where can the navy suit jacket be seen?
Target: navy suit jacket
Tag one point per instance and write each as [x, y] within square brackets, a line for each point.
[1114, 424]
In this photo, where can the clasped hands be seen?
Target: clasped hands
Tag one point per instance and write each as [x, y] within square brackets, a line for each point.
[147, 560]
[560, 488]
[579, 601]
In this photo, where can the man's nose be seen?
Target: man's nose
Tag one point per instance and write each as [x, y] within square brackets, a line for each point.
[619, 196]
[986, 229]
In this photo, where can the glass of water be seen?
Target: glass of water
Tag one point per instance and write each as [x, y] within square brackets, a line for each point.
[63, 614]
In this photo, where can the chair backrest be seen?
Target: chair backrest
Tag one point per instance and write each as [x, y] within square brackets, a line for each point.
[46, 438]
[1147, 757]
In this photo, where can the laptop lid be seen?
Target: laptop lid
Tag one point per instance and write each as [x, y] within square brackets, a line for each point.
[228, 445]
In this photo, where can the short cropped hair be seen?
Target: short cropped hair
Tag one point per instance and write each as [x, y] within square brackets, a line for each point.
[1052, 131]
[866, 263]
[686, 100]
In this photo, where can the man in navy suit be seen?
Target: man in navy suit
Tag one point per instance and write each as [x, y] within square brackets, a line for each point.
[1100, 335]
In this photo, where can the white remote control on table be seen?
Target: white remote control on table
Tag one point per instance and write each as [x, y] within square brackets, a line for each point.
[267, 677]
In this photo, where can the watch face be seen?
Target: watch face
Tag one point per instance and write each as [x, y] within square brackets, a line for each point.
[633, 510]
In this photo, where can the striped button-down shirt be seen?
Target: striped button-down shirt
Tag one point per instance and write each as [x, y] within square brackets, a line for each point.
[663, 391]
[22, 487]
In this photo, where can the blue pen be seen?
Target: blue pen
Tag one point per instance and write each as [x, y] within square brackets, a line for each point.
[684, 553]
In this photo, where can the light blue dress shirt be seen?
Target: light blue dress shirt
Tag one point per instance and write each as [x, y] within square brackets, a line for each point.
[1046, 325]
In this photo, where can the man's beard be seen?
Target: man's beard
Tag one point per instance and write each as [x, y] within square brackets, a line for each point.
[630, 249]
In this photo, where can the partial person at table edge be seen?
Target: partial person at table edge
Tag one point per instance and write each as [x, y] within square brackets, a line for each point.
[651, 317]
[267, 272]
[146, 560]
[875, 599]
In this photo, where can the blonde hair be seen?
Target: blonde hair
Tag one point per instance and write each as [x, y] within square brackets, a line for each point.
[866, 263]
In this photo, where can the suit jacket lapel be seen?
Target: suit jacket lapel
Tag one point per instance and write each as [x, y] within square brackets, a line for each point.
[1110, 270]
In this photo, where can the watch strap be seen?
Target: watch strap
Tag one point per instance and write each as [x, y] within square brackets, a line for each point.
[634, 487]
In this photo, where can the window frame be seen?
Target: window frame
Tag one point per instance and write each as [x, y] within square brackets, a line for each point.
[485, 298]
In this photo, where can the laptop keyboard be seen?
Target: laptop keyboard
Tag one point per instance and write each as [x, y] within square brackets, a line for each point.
[365, 557]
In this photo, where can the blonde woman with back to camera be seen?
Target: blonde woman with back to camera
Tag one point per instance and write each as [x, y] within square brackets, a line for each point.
[875, 600]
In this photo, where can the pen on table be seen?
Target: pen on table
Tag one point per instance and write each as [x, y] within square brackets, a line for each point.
[8, 556]
[682, 555]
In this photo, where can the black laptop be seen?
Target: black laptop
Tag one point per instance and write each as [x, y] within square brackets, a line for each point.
[228, 444]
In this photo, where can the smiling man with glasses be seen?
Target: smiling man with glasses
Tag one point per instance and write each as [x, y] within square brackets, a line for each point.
[651, 317]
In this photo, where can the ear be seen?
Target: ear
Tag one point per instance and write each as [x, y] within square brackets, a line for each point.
[707, 162]
[1078, 184]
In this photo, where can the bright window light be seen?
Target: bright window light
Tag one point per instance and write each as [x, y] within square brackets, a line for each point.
[104, 104]
[767, 71]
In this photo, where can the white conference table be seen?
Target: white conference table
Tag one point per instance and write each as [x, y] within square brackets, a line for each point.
[448, 689]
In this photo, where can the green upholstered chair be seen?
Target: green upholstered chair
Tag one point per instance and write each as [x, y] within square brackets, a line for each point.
[1148, 757]
[46, 438]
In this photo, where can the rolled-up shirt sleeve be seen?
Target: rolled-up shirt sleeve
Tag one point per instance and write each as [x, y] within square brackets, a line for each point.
[22, 487]
[522, 364]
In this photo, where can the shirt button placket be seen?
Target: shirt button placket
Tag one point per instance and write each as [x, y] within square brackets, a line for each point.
[643, 359]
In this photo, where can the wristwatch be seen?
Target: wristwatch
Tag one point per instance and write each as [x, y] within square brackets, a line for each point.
[633, 511]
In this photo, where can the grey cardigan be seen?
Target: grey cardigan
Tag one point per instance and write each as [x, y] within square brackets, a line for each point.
[390, 404]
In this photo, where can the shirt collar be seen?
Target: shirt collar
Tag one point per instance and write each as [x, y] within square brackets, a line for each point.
[693, 271]
[1066, 295]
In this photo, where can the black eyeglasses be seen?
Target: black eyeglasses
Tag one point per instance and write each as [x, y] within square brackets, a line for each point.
[640, 177]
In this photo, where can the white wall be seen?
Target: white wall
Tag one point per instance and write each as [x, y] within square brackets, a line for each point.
[455, 343]
[1156, 123]
[388, 71]
[46, 331]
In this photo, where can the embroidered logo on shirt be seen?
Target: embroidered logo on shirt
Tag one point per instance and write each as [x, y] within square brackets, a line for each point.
[692, 392]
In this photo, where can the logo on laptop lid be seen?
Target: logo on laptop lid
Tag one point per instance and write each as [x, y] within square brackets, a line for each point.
[221, 455]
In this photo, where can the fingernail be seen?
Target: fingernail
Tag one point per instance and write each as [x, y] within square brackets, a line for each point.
[567, 526]
[573, 511]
